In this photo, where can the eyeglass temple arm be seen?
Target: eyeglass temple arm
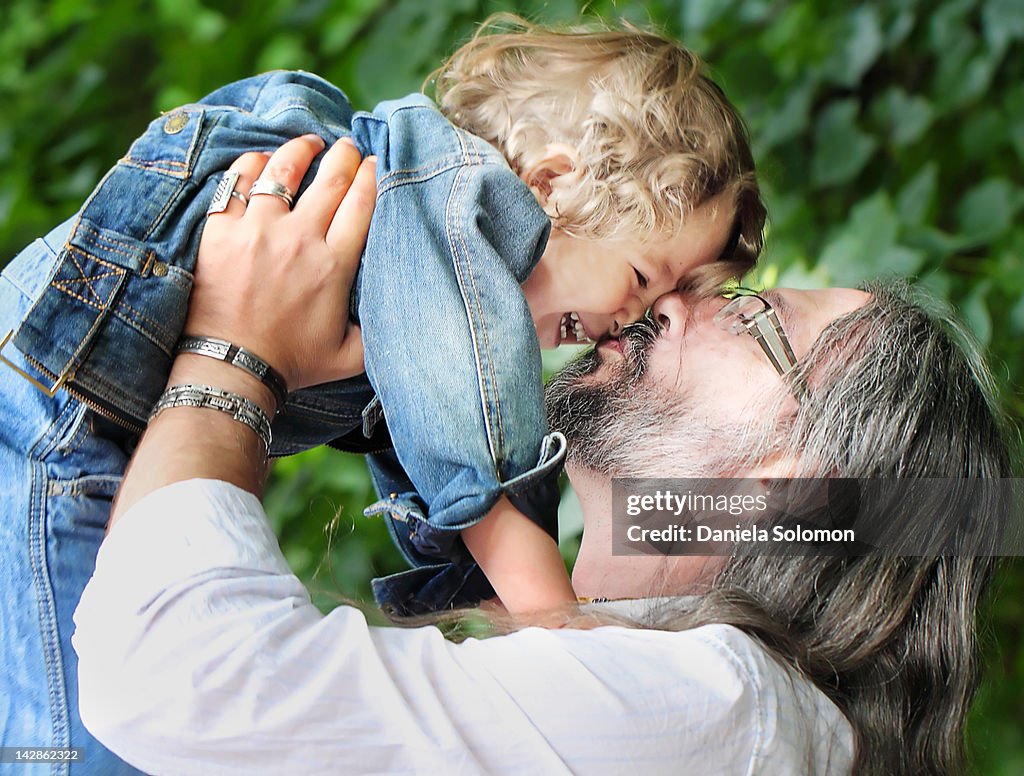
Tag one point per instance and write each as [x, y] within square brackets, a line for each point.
[773, 341]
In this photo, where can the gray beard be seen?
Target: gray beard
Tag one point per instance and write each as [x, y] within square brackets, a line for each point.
[622, 425]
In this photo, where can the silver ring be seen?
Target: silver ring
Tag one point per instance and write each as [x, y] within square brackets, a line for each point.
[240, 196]
[225, 191]
[273, 189]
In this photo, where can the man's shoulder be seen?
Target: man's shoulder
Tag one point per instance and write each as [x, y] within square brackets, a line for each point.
[794, 718]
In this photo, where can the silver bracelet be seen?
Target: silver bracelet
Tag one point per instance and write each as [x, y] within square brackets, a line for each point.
[237, 406]
[222, 350]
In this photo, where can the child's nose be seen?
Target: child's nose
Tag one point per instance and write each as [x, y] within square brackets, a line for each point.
[632, 311]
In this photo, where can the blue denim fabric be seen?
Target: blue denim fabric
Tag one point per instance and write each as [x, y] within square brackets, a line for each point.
[451, 353]
[58, 473]
[429, 586]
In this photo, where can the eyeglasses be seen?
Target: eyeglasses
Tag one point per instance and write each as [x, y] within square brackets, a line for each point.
[752, 314]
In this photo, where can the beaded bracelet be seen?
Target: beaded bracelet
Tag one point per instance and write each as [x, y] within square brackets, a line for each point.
[237, 406]
[222, 350]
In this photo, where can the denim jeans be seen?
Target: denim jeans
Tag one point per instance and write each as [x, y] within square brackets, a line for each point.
[58, 473]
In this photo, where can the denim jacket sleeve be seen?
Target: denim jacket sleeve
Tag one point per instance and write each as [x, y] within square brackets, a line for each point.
[449, 340]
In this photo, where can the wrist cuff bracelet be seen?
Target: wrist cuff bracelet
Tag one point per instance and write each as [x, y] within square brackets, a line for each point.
[246, 412]
[222, 350]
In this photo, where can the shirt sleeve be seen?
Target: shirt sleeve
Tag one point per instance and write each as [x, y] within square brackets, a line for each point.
[200, 652]
[451, 348]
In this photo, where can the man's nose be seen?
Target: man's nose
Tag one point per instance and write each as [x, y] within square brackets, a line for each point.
[671, 312]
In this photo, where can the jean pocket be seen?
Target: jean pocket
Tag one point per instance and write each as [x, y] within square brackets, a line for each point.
[169, 144]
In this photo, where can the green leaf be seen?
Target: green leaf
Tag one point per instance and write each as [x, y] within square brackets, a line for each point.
[793, 41]
[841, 148]
[983, 136]
[1017, 316]
[933, 241]
[875, 220]
[899, 27]
[986, 211]
[424, 29]
[963, 74]
[947, 25]
[917, 197]
[907, 116]
[1013, 110]
[1002, 22]
[697, 15]
[285, 52]
[937, 284]
[860, 42]
[340, 28]
[865, 248]
[975, 313]
[788, 121]
[799, 275]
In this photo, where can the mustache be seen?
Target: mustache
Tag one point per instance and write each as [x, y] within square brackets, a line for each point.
[636, 339]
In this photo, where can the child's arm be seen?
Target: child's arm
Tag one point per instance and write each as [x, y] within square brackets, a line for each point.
[520, 560]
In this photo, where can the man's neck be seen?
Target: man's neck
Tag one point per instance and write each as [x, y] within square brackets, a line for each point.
[594, 491]
[600, 574]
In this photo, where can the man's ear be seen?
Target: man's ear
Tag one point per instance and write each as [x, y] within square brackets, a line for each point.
[778, 466]
[558, 169]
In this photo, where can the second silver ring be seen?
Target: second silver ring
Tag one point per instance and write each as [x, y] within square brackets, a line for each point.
[273, 189]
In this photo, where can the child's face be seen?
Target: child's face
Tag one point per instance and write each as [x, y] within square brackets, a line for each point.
[583, 289]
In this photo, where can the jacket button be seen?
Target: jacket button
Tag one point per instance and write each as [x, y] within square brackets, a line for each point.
[175, 123]
[159, 269]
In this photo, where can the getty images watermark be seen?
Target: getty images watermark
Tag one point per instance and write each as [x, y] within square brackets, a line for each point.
[818, 516]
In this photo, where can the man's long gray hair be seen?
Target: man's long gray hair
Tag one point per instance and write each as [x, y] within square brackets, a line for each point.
[889, 390]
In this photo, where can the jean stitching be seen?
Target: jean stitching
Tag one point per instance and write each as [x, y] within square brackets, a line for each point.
[40, 572]
[157, 166]
[200, 136]
[496, 410]
[393, 180]
[172, 167]
[180, 276]
[104, 242]
[73, 295]
[165, 332]
[492, 416]
[100, 303]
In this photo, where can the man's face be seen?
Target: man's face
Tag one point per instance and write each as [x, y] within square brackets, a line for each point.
[666, 401]
[687, 381]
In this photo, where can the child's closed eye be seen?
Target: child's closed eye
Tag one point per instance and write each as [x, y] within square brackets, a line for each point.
[641, 278]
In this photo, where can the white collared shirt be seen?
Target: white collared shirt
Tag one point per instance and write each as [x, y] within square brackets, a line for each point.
[200, 652]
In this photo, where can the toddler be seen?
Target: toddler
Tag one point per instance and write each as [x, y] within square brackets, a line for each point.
[559, 185]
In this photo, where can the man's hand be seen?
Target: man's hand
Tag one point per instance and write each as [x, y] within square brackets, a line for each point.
[277, 281]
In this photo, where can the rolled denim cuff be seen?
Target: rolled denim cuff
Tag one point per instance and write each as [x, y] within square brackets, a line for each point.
[424, 538]
[536, 493]
[430, 589]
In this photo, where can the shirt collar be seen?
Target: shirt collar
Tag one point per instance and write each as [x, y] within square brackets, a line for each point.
[634, 608]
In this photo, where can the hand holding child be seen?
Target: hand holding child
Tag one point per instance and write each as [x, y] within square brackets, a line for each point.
[277, 280]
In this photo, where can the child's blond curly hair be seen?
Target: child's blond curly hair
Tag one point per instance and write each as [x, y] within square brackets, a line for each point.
[655, 135]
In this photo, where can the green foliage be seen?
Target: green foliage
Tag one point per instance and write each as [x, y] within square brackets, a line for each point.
[889, 137]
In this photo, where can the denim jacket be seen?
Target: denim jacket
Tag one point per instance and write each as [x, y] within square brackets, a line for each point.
[452, 359]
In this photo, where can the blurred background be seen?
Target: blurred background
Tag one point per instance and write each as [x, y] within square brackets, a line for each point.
[889, 137]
